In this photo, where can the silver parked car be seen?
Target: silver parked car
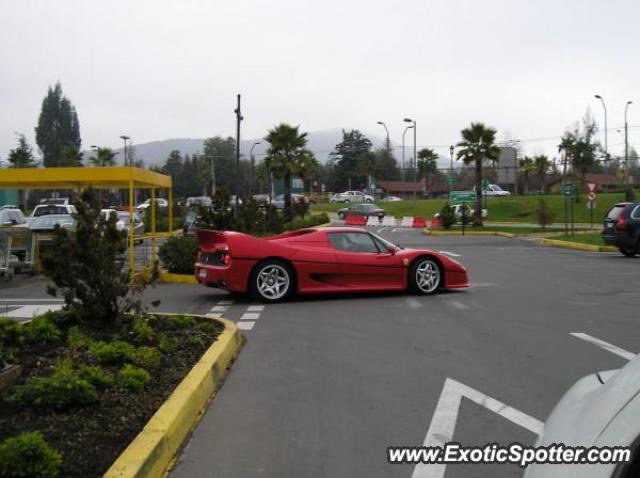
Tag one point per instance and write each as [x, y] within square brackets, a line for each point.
[351, 196]
[600, 410]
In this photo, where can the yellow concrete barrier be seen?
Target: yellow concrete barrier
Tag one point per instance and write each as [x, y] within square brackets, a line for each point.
[152, 452]
[165, 276]
[577, 246]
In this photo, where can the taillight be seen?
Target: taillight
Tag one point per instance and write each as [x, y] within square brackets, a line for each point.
[226, 259]
[621, 224]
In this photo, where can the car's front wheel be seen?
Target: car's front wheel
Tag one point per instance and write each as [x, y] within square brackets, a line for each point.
[425, 276]
[271, 281]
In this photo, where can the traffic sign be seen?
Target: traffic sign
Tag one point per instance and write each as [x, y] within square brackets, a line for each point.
[567, 189]
[591, 205]
[450, 180]
[591, 196]
[462, 196]
[592, 187]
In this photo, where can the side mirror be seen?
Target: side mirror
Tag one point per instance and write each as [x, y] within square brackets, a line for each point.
[391, 249]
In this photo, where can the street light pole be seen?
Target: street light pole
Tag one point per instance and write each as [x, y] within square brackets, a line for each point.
[451, 151]
[405, 132]
[415, 147]
[627, 176]
[387, 143]
[125, 138]
[253, 165]
[606, 132]
[239, 118]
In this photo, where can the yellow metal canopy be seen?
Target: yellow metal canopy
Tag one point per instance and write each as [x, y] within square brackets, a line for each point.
[99, 178]
[76, 178]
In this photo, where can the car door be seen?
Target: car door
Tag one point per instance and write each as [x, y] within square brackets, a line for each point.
[365, 264]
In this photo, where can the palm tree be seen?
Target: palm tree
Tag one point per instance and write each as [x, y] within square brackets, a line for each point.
[526, 166]
[541, 167]
[287, 157]
[567, 145]
[103, 157]
[427, 162]
[478, 145]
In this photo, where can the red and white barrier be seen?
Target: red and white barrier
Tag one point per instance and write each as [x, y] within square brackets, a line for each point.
[419, 221]
[355, 220]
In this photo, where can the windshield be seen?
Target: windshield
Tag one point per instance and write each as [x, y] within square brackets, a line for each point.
[49, 209]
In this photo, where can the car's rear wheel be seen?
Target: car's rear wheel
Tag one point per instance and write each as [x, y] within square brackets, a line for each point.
[341, 215]
[347, 201]
[425, 276]
[271, 281]
[628, 251]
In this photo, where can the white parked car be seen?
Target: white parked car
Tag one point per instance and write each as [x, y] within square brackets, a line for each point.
[351, 196]
[494, 190]
[49, 209]
[146, 204]
[391, 199]
[198, 201]
[599, 410]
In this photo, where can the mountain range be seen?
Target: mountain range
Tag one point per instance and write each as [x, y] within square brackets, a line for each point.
[321, 143]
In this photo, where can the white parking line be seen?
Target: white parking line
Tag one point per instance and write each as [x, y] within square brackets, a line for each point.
[31, 300]
[250, 316]
[625, 354]
[255, 308]
[245, 325]
[219, 308]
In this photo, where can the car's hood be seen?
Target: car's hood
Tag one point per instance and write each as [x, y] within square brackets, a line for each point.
[584, 412]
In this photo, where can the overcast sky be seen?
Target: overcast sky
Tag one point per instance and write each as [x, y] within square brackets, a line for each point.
[168, 69]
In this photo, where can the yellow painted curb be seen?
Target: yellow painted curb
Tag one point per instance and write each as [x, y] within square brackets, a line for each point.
[577, 246]
[151, 453]
[177, 278]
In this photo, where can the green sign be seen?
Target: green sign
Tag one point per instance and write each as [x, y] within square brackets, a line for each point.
[567, 189]
[462, 196]
[451, 180]
[484, 184]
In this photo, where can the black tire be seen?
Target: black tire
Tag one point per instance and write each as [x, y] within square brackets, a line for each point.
[367, 200]
[346, 201]
[432, 276]
[260, 287]
[628, 251]
[341, 215]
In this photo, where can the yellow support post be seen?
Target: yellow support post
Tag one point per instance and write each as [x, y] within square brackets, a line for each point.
[153, 225]
[132, 209]
[171, 210]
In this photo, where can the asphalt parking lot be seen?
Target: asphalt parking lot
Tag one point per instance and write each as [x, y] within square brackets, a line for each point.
[325, 384]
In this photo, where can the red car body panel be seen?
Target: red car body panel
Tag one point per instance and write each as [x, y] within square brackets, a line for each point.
[319, 267]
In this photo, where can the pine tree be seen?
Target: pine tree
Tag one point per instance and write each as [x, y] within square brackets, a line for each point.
[22, 156]
[58, 128]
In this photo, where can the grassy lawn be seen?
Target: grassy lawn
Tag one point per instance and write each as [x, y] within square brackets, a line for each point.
[513, 229]
[593, 239]
[510, 209]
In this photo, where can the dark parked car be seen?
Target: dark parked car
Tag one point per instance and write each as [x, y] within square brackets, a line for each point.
[361, 210]
[622, 228]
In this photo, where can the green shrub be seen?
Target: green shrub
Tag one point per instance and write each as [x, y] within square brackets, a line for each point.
[116, 352]
[180, 321]
[178, 254]
[77, 340]
[167, 344]
[28, 456]
[63, 318]
[141, 328]
[11, 332]
[544, 214]
[208, 327]
[448, 216]
[307, 221]
[95, 376]
[131, 378]
[64, 389]
[147, 357]
[42, 330]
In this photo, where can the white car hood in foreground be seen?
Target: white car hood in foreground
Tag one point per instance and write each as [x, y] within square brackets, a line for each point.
[593, 414]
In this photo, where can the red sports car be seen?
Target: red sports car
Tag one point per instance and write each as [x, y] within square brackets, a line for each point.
[317, 260]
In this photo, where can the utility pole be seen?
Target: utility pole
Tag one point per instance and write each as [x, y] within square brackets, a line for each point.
[125, 138]
[627, 176]
[239, 119]
[253, 166]
[213, 173]
[451, 150]
[415, 128]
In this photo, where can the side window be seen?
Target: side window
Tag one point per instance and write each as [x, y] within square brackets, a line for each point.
[353, 242]
[635, 214]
